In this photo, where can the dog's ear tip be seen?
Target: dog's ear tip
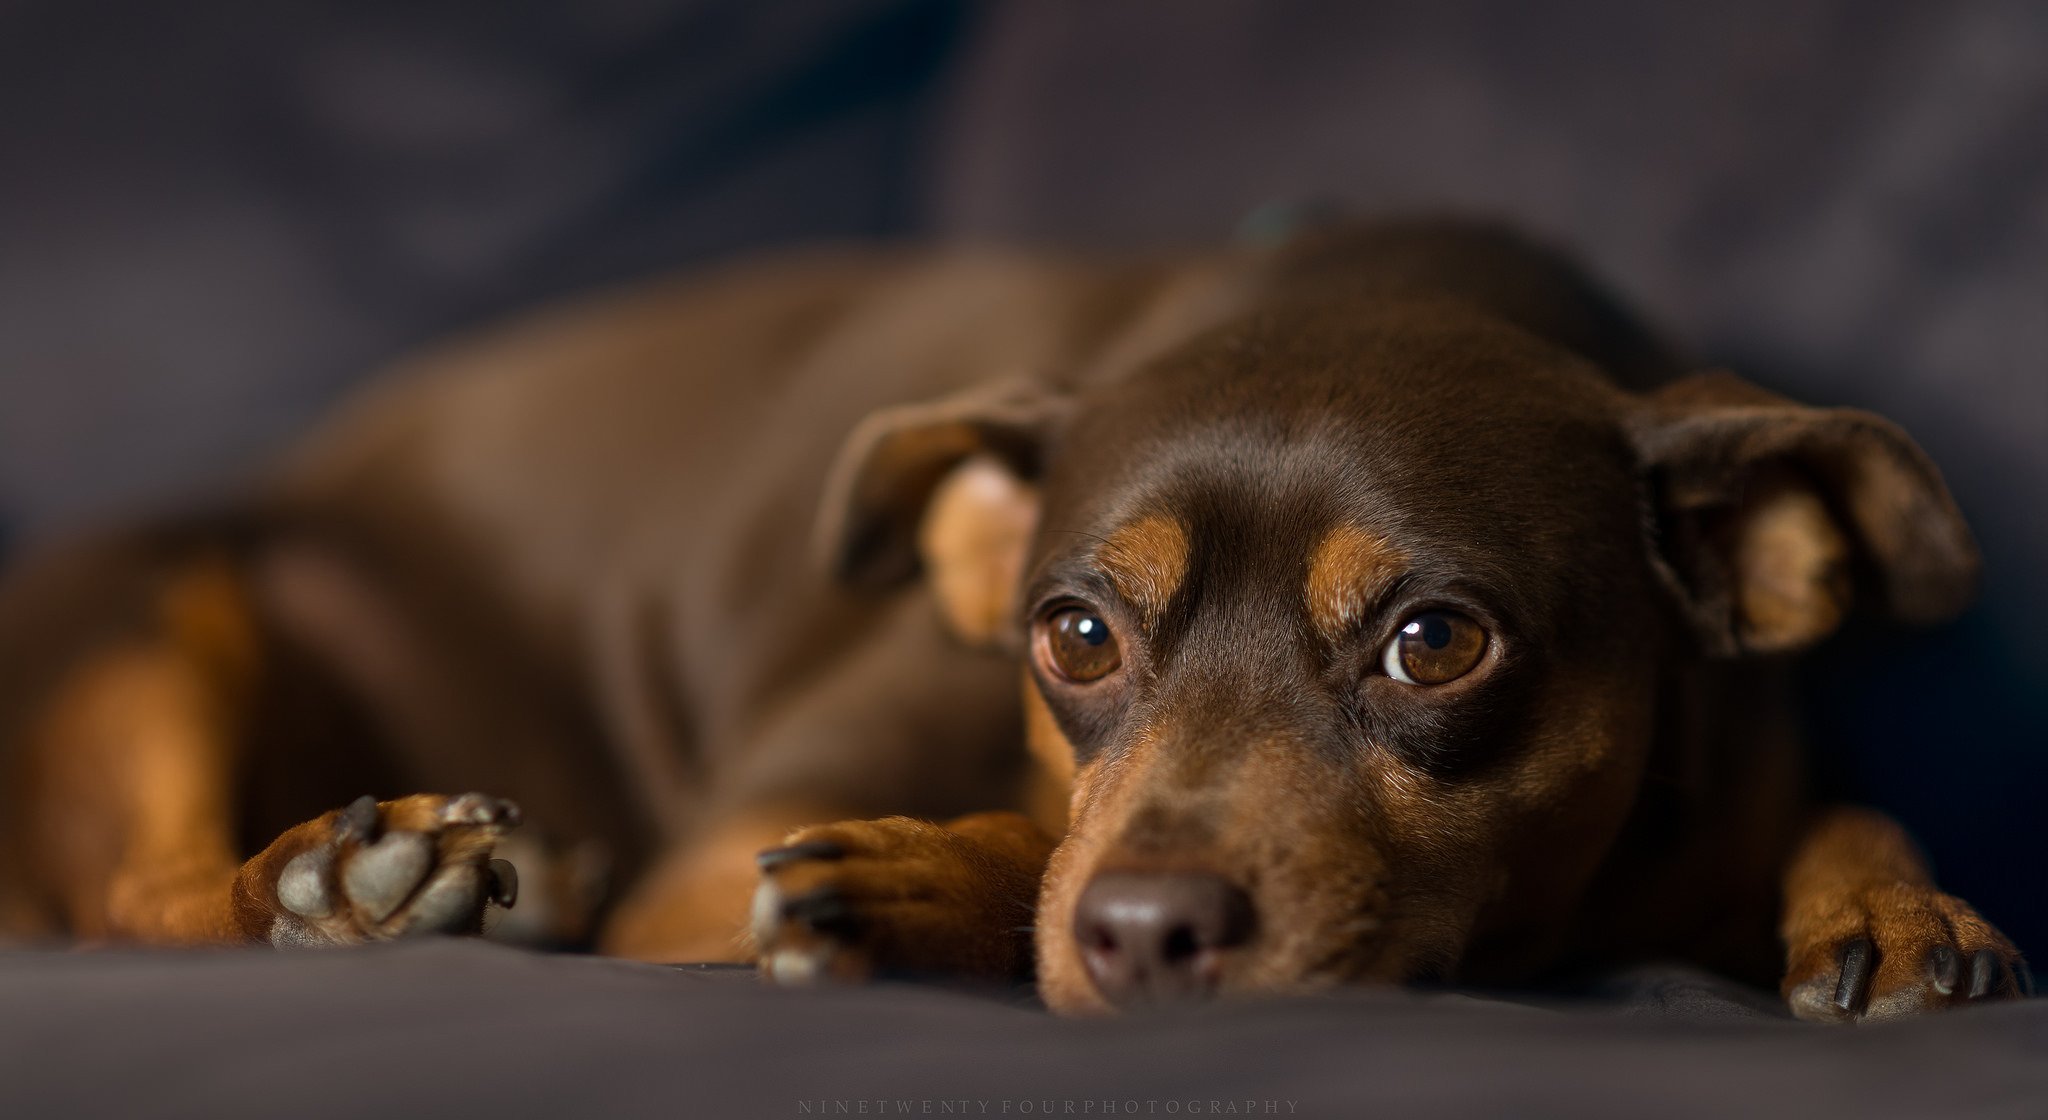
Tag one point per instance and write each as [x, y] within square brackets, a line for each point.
[1716, 450]
[1943, 584]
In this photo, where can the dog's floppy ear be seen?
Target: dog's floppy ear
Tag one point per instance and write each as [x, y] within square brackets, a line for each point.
[946, 487]
[1772, 517]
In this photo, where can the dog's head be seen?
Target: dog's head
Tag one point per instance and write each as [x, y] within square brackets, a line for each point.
[1349, 624]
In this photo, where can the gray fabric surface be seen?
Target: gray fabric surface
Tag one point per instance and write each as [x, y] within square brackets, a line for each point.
[465, 1028]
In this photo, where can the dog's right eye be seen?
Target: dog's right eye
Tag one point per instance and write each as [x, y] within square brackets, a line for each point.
[1076, 644]
[1434, 647]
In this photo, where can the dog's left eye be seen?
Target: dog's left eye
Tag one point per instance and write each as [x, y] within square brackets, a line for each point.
[1078, 645]
[1434, 647]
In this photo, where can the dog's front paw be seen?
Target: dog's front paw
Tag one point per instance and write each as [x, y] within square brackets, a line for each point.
[852, 901]
[376, 871]
[1888, 952]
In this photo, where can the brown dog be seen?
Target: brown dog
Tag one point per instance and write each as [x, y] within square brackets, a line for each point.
[1389, 606]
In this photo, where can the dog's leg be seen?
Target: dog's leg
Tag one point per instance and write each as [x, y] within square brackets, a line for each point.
[898, 896]
[130, 803]
[127, 782]
[1868, 936]
[693, 905]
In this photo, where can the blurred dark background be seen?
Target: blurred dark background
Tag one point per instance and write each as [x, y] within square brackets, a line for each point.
[218, 215]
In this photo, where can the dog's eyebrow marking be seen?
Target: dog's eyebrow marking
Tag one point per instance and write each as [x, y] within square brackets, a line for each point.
[1146, 560]
[1349, 570]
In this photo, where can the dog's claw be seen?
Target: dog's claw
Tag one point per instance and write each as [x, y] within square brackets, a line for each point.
[810, 849]
[504, 882]
[1948, 969]
[1986, 973]
[358, 821]
[1854, 986]
[826, 911]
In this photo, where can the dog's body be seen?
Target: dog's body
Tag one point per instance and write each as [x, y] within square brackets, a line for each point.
[1406, 607]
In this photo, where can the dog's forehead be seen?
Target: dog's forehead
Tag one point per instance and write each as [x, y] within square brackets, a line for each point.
[1346, 455]
[1383, 424]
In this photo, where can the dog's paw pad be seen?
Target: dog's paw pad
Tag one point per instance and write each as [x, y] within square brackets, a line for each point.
[385, 873]
[302, 885]
[375, 871]
[451, 900]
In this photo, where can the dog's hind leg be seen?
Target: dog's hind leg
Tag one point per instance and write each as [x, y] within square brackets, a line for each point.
[125, 774]
[124, 765]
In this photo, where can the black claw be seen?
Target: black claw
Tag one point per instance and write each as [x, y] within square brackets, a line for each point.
[504, 883]
[1948, 969]
[1854, 986]
[1986, 973]
[809, 849]
[358, 821]
[826, 911]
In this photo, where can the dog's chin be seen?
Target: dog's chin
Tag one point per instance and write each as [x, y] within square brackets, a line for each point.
[1336, 968]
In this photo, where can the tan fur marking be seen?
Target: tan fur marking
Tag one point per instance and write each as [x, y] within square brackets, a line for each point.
[973, 540]
[1146, 560]
[1791, 566]
[1051, 781]
[1348, 570]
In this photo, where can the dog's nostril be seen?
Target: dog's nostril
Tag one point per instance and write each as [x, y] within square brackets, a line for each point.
[1180, 944]
[1159, 935]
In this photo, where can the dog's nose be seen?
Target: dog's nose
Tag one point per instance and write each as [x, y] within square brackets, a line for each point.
[1157, 936]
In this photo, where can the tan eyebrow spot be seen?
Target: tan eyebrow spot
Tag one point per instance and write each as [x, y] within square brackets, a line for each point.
[1349, 569]
[1146, 560]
